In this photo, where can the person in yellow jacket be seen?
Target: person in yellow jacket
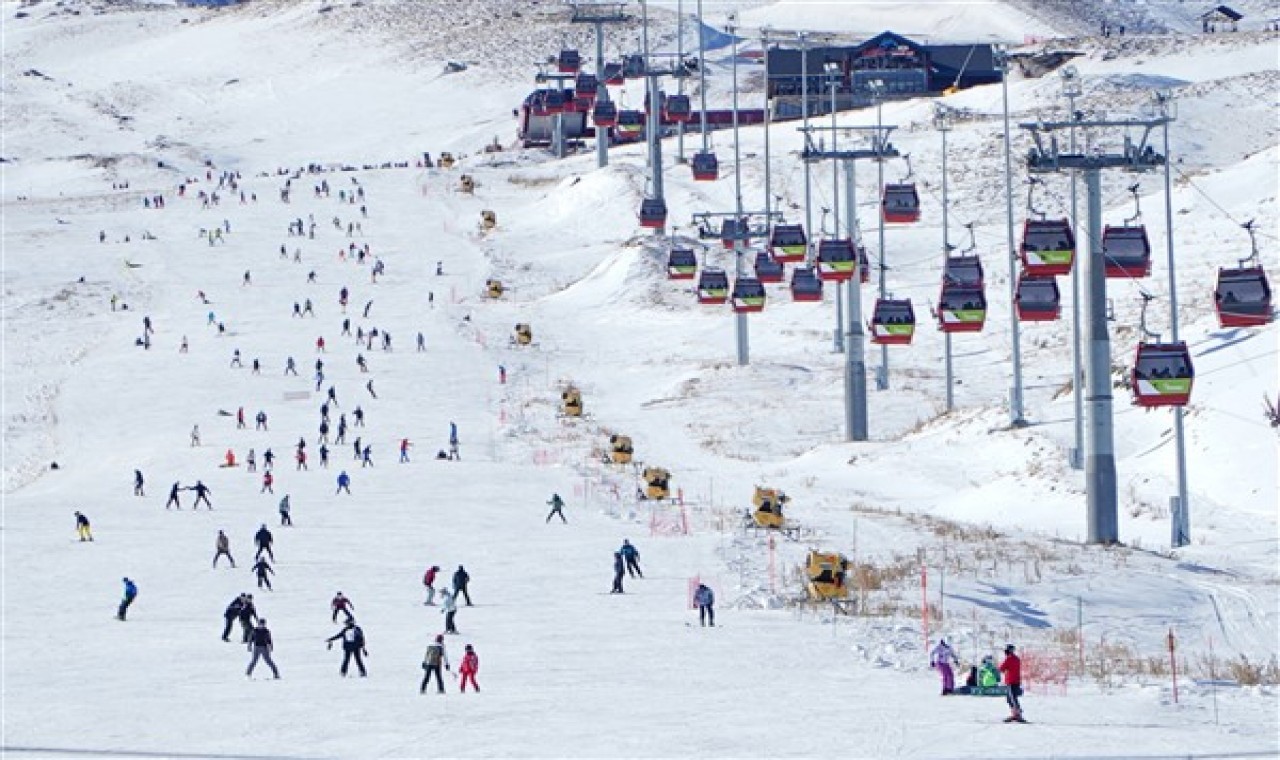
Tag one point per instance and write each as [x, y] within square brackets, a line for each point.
[82, 528]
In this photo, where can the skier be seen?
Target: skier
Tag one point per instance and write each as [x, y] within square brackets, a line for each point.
[619, 570]
[260, 645]
[324, 456]
[352, 646]
[557, 505]
[344, 483]
[195, 435]
[301, 458]
[223, 546]
[138, 483]
[267, 480]
[264, 539]
[358, 413]
[202, 494]
[290, 368]
[422, 342]
[261, 421]
[404, 450]
[632, 557]
[344, 605]
[944, 659]
[82, 527]
[431, 661]
[262, 569]
[1011, 669]
[470, 666]
[248, 614]
[366, 456]
[173, 497]
[235, 359]
[460, 580]
[333, 397]
[240, 418]
[231, 614]
[449, 607]
[130, 593]
[251, 462]
[285, 518]
[320, 345]
[369, 387]
[429, 580]
[268, 459]
[706, 600]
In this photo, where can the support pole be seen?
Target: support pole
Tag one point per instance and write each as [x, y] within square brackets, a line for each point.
[837, 339]
[679, 67]
[744, 348]
[1100, 461]
[602, 133]
[944, 127]
[882, 375]
[855, 367]
[804, 111]
[1181, 522]
[1016, 418]
[1077, 376]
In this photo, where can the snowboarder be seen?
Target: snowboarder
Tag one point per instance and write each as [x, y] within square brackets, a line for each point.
[557, 506]
[223, 546]
[352, 646]
[429, 580]
[130, 593]
[632, 557]
[460, 580]
[1011, 669]
[248, 614]
[344, 483]
[470, 666]
[202, 494]
[449, 607]
[705, 598]
[285, 518]
[619, 570]
[260, 645]
[431, 661]
[138, 483]
[944, 660]
[173, 497]
[230, 615]
[82, 527]
[344, 605]
[262, 569]
[264, 539]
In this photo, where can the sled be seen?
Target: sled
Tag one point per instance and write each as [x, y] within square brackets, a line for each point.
[982, 691]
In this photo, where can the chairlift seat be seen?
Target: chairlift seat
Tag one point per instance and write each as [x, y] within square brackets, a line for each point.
[585, 88]
[893, 322]
[748, 295]
[676, 108]
[682, 264]
[961, 308]
[653, 213]
[963, 270]
[768, 269]
[1048, 247]
[730, 230]
[1037, 298]
[901, 203]
[805, 285]
[1127, 251]
[568, 62]
[1242, 297]
[1162, 374]
[706, 167]
[836, 259]
[612, 74]
[713, 286]
[788, 243]
[604, 114]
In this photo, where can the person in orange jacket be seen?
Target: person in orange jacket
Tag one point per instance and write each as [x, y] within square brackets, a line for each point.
[470, 666]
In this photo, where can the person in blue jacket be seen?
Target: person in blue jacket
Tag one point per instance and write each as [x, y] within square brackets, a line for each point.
[130, 593]
[619, 570]
[632, 557]
[344, 483]
[705, 599]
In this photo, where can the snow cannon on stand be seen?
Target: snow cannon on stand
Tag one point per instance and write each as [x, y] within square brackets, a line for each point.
[571, 402]
[488, 220]
[523, 334]
[467, 184]
[826, 572]
[620, 450]
[657, 483]
[493, 289]
[445, 161]
[768, 504]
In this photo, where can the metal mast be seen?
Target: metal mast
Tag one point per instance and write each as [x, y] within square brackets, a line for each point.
[598, 16]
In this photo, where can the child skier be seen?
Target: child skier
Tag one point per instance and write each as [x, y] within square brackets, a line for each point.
[470, 666]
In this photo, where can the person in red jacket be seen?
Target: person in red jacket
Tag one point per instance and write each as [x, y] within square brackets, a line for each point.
[1011, 672]
[429, 580]
[470, 665]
